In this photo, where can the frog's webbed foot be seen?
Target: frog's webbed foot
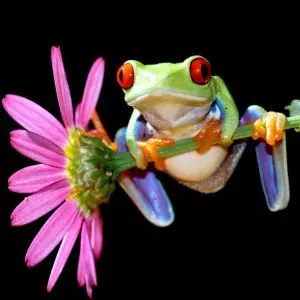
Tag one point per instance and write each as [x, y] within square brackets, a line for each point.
[100, 132]
[270, 128]
[96, 134]
[209, 135]
[150, 153]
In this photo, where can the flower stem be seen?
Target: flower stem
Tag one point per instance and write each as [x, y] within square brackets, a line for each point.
[124, 161]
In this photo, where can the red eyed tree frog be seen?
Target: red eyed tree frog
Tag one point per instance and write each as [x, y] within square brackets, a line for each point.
[172, 101]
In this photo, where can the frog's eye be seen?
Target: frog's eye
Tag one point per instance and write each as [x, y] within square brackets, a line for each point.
[125, 76]
[200, 70]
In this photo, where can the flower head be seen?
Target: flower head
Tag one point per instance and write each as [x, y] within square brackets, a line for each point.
[68, 176]
[76, 172]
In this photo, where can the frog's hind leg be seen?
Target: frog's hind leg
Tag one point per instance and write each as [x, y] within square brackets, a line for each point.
[272, 160]
[143, 187]
[272, 166]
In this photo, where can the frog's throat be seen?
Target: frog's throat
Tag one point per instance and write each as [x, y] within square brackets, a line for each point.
[169, 111]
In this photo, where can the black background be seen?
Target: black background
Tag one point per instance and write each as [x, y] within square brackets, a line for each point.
[226, 243]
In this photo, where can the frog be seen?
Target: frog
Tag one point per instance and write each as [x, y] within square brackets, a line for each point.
[171, 101]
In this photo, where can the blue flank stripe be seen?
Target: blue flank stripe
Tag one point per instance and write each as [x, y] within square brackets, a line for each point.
[221, 108]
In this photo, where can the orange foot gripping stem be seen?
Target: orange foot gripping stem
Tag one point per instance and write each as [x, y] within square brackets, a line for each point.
[149, 149]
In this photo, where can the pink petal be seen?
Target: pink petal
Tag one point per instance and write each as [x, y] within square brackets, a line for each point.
[88, 256]
[51, 233]
[86, 266]
[81, 269]
[96, 234]
[89, 290]
[64, 252]
[91, 93]
[77, 110]
[37, 148]
[40, 203]
[33, 178]
[35, 118]
[62, 87]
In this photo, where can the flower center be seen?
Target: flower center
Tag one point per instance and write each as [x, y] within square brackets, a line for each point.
[91, 183]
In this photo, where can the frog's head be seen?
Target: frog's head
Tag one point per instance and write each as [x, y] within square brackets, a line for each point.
[168, 94]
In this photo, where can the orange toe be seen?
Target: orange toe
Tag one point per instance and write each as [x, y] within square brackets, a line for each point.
[280, 125]
[259, 131]
[149, 149]
[209, 135]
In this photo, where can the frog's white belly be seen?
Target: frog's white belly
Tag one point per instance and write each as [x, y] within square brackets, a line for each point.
[193, 166]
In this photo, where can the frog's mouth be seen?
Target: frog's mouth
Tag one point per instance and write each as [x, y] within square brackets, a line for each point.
[165, 110]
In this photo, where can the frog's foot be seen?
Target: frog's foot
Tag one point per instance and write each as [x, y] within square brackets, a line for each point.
[96, 134]
[270, 128]
[100, 132]
[209, 135]
[150, 153]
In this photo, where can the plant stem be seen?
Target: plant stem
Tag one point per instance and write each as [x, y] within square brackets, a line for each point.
[124, 161]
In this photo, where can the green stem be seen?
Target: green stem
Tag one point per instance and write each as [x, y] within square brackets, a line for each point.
[124, 161]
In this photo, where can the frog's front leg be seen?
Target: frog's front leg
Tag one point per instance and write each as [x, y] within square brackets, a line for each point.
[270, 152]
[143, 187]
[144, 151]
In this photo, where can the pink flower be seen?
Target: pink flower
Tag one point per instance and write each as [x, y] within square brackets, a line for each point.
[60, 178]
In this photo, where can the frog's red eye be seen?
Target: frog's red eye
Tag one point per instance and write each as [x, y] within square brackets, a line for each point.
[200, 70]
[125, 76]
